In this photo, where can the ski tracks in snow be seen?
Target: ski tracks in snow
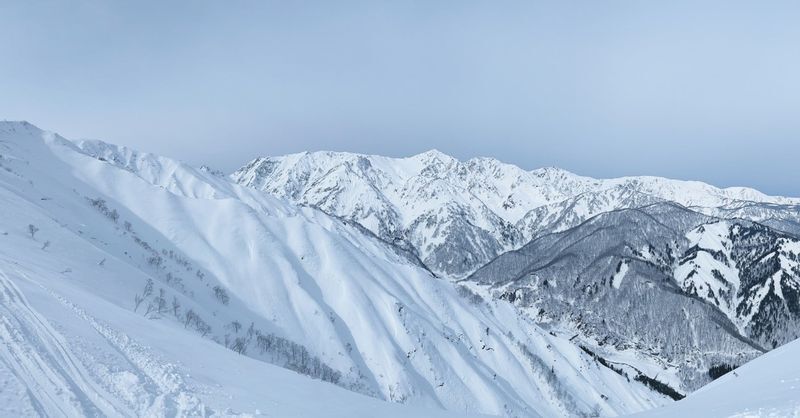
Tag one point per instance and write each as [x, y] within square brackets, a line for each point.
[65, 381]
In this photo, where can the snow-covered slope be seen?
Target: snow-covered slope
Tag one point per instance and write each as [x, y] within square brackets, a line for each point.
[750, 272]
[67, 353]
[769, 386]
[134, 284]
[695, 291]
[459, 215]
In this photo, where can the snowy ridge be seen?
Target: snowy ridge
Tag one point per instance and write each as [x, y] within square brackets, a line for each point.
[765, 387]
[459, 215]
[130, 260]
[694, 291]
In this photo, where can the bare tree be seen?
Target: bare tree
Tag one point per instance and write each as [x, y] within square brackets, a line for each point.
[148, 288]
[192, 318]
[239, 345]
[45, 245]
[202, 327]
[189, 318]
[176, 306]
[221, 295]
[151, 307]
[236, 326]
[137, 300]
[32, 229]
[161, 302]
[157, 306]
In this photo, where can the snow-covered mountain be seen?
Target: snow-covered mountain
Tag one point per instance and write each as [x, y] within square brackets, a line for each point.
[750, 272]
[458, 215]
[695, 291]
[133, 284]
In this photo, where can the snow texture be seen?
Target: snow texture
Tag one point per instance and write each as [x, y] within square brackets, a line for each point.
[133, 285]
[458, 215]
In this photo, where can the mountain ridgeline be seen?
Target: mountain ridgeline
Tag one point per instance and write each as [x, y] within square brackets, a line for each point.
[136, 285]
[459, 215]
[690, 274]
[660, 279]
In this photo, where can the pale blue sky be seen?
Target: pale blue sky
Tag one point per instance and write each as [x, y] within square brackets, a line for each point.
[693, 90]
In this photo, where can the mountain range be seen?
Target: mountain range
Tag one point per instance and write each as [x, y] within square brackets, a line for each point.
[456, 216]
[135, 284]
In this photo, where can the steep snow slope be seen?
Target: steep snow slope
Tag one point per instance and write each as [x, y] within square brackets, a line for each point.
[59, 359]
[151, 260]
[766, 387]
[459, 215]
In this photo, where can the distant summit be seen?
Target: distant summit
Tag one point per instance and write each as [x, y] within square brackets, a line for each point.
[457, 215]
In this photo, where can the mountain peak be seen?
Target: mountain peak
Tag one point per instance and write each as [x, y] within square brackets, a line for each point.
[551, 171]
[433, 154]
[13, 126]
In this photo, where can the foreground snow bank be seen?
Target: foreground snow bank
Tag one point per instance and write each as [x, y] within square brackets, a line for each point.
[768, 386]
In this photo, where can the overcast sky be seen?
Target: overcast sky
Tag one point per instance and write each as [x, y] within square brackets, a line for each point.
[601, 88]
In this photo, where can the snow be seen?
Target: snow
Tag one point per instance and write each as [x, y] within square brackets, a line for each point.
[717, 278]
[72, 364]
[418, 198]
[401, 341]
[768, 386]
[76, 342]
[616, 281]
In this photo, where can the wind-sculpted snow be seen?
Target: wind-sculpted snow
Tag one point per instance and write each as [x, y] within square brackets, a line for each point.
[143, 286]
[459, 215]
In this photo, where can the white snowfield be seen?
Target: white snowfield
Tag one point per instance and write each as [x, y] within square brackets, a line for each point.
[768, 386]
[134, 285]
